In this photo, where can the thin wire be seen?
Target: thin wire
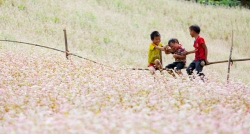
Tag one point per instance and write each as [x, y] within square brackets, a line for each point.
[110, 67]
[33, 44]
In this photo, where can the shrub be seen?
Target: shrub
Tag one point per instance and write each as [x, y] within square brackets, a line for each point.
[230, 3]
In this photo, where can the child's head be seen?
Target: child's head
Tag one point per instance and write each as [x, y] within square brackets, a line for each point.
[194, 30]
[173, 43]
[155, 37]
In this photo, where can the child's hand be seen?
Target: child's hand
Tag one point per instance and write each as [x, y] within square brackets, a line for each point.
[175, 56]
[166, 47]
[206, 62]
[167, 50]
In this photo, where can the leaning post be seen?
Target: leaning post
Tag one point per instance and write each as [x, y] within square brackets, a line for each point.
[66, 44]
[230, 58]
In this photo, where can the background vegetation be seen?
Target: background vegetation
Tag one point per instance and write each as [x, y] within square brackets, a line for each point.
[230, 3]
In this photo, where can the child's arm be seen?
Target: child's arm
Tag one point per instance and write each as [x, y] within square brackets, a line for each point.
[159, 48]
[190, 52]
[179, 56]
[168, 50]
[206, 52]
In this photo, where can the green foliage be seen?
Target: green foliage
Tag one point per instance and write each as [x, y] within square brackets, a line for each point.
[230, 3]
[56, 19]
[119, 4]
[21, 7]
[137, 25]
[106, 40]
[90, 16]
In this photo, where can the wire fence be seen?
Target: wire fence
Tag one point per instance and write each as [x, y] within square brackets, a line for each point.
[76, 55]
[55, 49]
[67, 53]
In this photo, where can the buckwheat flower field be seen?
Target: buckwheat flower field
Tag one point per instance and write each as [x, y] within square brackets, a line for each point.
[55, 95]
[41, 92]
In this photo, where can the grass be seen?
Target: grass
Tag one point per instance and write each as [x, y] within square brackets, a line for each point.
[118, 31]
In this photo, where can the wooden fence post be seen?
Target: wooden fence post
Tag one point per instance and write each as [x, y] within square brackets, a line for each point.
[66, 44]
[230, 57]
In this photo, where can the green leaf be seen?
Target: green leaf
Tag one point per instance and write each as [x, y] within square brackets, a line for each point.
[21, 7]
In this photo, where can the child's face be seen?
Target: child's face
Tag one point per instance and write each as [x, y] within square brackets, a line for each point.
[157, 40]
[192, 33]
[174, 46]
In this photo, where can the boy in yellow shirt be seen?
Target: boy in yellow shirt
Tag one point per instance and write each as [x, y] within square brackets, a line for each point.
[154, 53]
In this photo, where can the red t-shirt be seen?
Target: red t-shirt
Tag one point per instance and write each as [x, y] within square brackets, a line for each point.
[199, 50]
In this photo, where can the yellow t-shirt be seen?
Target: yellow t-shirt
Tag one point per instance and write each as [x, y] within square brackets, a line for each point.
[153, 53]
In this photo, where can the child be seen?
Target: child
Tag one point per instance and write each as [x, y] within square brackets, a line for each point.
[154, 53]
[200, 52]
[179, 53]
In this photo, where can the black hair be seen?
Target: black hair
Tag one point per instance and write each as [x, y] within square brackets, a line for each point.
[195, 28]
[173, 40]
[154, 34]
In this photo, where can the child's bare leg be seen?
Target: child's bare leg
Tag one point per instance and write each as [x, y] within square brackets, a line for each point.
[178, 72]
[158, 64]
[152, 70]
[171, 72]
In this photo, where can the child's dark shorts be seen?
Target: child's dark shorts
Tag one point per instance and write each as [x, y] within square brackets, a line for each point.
[196, 64]
[178, 65]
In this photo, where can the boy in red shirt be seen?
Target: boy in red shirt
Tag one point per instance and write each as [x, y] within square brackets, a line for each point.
[200, 52]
